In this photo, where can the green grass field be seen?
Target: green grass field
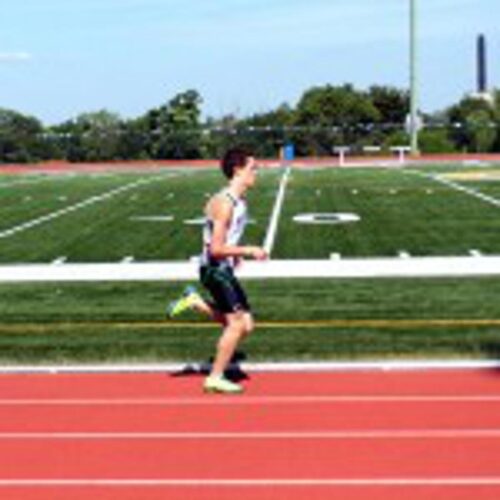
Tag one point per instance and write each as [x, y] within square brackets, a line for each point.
[108, 230]
[98, 218]
[300, 320]
[399, 211]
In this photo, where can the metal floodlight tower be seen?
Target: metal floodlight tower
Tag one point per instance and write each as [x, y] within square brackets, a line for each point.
[413, 79]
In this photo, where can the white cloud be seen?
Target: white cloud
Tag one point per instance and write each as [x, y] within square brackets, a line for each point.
[14, 56]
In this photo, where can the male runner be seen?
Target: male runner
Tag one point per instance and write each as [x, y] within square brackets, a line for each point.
[226, 217]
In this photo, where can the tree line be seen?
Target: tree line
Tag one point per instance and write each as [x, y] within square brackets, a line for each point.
[324, 117]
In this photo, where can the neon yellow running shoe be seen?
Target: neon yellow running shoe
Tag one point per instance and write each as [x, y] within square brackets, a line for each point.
[189, 297]
[221, 385]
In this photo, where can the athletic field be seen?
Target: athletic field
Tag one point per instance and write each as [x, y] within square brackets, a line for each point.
[154, 216]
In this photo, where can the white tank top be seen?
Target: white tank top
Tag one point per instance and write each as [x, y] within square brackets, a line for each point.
[235, 230]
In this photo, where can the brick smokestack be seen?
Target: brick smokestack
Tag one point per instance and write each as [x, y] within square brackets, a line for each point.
[482, 77]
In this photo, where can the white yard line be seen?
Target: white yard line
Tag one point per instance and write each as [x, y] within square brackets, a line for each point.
[7, 185]
[458, 187]
[272, 229]
[72, 208]
[445, 481]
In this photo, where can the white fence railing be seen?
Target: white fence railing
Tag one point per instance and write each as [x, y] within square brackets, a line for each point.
[408, 267]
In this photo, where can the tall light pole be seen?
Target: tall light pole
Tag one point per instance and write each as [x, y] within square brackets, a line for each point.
[413, 79]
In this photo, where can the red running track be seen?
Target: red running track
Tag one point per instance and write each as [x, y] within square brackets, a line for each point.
[382, 435]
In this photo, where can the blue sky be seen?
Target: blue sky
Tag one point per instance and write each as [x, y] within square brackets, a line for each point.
[59, 58]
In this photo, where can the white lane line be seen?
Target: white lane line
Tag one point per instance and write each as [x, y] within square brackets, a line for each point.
[390, 366]
[261, 436]
[458, 187]
[273, 224]
[258, 483]
[89, 201]
[250, 400]
[7, 185]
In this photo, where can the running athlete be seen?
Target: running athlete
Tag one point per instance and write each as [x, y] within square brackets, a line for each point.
[226, 217]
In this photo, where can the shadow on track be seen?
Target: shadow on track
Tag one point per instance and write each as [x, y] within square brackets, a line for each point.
[234, 372]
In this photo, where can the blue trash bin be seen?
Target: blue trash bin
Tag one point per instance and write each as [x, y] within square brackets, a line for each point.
[288, 152]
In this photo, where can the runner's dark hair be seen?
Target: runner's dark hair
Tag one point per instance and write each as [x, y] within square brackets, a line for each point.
[232, 159]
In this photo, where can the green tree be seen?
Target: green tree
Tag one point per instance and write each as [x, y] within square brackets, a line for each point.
[135, 140]
[392, 104]
[328, 116]
[175, 128]
[396, 138]
[266, 133]
[101, 135]
[95, 136]
[471, 123]
[220, 134]
[435, 140]
[481, 131]
[496, 112]
[20, 137]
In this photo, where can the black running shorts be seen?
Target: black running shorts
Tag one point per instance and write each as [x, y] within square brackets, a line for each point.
[224, 287]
